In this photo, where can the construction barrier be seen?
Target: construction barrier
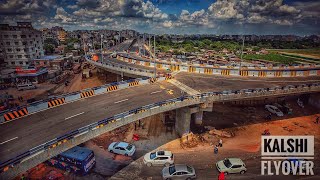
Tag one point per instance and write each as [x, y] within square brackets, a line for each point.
[152, 80]
[293, 73]
[191, 69]
[262, 74]
[225, 72]
[134, 83]
[56, 102]
[112, 88]
[208, 71]
[15, 114]
[87, 94]
[244, 73]
[168, 76]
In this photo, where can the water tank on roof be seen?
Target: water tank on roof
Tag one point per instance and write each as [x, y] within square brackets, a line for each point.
[95, 57]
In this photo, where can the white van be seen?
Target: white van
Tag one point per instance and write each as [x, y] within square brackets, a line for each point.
[22, 87]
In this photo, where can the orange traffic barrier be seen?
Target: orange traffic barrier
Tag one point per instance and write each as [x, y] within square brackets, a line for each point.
[87, 94]
[56, 102]
[15, 114]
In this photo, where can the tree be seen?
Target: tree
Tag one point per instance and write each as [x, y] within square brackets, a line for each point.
[51, 41]
[49, 48]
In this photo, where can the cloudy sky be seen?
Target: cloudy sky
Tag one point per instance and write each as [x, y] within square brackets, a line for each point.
[170, 16]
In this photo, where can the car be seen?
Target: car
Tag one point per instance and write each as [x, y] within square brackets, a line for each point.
[178, 171]
[158, 158]
[122, 148]
[274, 110]
[231, 165]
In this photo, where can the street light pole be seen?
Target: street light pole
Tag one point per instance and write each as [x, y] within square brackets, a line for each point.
[101, 48]
[154, 53]
[241, 55]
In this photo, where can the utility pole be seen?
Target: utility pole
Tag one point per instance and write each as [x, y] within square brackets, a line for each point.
[101, 48]
[241, 55]
[154, 53]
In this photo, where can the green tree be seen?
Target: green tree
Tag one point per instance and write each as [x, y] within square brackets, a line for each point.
[49, 48]
[51, 41]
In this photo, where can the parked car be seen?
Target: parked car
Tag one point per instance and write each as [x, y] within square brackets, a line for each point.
[27, 86]
[274, 110]
[122, 148]
[178, 171]
[158, 158]
[231, 165]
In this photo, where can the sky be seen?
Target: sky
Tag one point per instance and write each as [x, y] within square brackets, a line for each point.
[298, 17]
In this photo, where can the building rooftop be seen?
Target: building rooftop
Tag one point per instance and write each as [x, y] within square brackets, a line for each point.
[50, 58]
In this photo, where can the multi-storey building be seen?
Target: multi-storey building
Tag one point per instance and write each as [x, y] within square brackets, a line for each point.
[62, 35]
[20, 44]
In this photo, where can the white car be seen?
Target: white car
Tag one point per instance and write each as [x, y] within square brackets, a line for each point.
[231, 165]
[122, 148]
[178, 171]
[274, 110]
[158, 158]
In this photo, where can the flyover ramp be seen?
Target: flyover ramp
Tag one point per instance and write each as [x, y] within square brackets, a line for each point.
[209, 83]
[43, 126]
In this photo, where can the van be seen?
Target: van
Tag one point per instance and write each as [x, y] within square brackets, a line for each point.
[22, 87]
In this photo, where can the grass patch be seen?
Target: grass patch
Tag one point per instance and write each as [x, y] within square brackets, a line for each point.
[313, 52]
[277, 58]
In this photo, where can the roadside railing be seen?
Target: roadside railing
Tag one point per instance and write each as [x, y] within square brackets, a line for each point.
[228, 95]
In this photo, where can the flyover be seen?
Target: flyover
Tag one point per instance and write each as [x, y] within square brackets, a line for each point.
[39, 136]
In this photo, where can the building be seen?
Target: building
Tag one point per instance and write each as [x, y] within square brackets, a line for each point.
[20, 44]
[62, 34]
[53, 62]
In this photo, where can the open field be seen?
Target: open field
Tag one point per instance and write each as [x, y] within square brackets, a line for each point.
[276, 58]
[313, 54]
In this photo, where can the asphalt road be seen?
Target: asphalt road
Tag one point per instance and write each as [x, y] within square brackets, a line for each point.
[209, 83]
[38, 128]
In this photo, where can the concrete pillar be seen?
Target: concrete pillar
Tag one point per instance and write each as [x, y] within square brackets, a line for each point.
[183, 119]
[198, 118]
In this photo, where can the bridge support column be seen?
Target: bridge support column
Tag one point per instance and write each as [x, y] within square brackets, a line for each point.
[183, 119]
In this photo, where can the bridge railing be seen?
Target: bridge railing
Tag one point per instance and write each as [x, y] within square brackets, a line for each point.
[204, 97]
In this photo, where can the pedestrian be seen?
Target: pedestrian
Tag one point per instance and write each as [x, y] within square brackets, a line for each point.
[135, 126]
[220, 143]
[317, 120]
[216, 149]
[221, 176]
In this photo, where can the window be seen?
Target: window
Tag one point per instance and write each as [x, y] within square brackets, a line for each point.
[23, 36]
[9, 50]
[16, 43]
[13, 63]
[24, 43]
[45, 62]
[18, 49]
[5, 36]
[38, 62]
[236, 166]
[11, 56]
[36, 35]
[8, 43]
[15, 36]
[30, 42]
[20, 62]
[25, 50]
[27, 62]
[19, 56]
[30, 36]
[27, 56]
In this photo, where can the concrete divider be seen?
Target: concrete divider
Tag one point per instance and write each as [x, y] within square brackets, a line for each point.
[100, 91]
[37, 107]
[2, 119]
[72, 97]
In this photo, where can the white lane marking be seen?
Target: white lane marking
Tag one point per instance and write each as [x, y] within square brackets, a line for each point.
[8, 140]
[73, 116]
[155, 92]
[121, 101]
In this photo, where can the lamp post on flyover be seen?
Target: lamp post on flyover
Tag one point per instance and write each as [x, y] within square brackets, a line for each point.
[241, 54]
[101, 48]
[154, 52]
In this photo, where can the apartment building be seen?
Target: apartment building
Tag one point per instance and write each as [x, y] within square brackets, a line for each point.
[20, 44]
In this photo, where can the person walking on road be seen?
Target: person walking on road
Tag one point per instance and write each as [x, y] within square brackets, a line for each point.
[317, 120]
[216, 149]
[220, 143]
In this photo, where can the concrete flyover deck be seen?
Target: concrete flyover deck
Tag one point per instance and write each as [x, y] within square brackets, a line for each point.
[207, 83]
[43, 126]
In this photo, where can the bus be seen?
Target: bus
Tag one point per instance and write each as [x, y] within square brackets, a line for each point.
[78, 160]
